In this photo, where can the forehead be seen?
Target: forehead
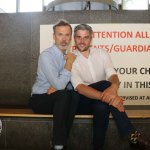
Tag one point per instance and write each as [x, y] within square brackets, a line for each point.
[62, 29]
[82, 33]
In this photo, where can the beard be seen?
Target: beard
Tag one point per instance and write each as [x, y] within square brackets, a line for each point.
[83, 49]
[63, 45]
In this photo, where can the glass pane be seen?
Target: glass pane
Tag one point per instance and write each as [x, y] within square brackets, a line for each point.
[135, 4]
[118, 1]
[46, 2]
[7, 6]
[30, 5]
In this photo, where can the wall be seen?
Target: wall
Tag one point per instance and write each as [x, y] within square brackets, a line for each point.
[36, 134]
[20, 44]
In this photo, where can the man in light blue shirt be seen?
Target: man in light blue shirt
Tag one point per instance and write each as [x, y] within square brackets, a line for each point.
[51, 71]
[49, 92]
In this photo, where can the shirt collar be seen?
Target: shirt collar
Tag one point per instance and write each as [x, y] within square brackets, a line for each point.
[57, 50]
[78, 53]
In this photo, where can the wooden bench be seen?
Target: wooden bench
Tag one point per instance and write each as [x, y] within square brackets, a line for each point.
[27, 112]
[26, 127]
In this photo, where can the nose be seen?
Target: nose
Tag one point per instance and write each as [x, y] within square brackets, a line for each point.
[81, 40]
[64, 38]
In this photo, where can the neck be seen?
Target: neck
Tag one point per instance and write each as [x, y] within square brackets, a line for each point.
[86, 53]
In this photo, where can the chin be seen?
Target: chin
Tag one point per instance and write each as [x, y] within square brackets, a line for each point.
[63, 48]
[82, 50]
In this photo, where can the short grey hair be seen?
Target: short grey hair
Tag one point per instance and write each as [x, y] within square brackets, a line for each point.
[83, 27]
[61, 22]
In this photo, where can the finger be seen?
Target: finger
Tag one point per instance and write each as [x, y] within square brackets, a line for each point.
[65, 57]
[53, 90]
[121, 109]
[48, 93]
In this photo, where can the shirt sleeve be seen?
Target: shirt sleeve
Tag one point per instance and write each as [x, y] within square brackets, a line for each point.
[50, 70]
[75, 75]
[108, 65]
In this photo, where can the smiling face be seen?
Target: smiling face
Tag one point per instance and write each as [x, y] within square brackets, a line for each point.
[62, 37]
[83, 40]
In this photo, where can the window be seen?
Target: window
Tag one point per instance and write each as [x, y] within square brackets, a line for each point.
[7, 6]
[12, 6]
[31, 5]
[135, 4]
[46, 2]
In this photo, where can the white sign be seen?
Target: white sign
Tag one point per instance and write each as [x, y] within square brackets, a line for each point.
[129, 47]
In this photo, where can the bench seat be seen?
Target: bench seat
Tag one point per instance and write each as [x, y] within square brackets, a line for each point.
[34, 131]
[27, 112]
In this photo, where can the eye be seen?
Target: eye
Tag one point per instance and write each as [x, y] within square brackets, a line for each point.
[59, 34]
[86, 37]
[67, 35]
[78, 37]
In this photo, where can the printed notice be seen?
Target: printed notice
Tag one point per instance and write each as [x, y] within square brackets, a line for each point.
[129, 48]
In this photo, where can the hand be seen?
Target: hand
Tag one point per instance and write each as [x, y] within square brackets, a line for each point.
[51, 90]
[70, 57]
[114, 100]
[109, 93]
[117, 102]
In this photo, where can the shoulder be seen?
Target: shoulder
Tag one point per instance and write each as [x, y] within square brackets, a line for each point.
[76, 62]
[48, 52]
[99, 52]
[47, 55]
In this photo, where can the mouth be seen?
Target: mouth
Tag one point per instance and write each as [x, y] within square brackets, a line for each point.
[81, 45]
[64, 44]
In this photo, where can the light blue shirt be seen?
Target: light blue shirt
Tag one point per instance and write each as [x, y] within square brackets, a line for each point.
[51, 71]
